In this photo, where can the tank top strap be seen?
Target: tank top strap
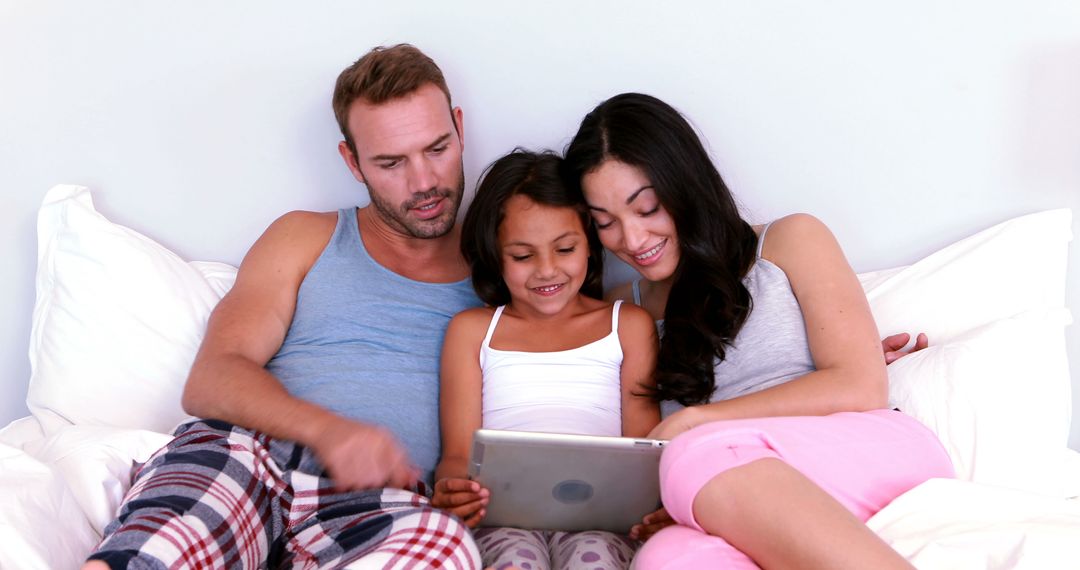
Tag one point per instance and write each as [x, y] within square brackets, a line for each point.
[635, 286]
[761, 238]
[615, 316]
[347, 230]
[491, 327]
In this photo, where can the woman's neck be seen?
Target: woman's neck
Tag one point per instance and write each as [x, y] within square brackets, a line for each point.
[654, 296]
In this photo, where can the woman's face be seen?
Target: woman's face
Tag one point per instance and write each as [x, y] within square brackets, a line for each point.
[630, 220]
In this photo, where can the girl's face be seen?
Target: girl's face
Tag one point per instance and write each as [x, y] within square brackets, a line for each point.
[545, 255]
[630, 220]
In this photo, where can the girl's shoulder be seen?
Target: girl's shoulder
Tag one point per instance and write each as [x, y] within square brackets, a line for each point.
[469, 320]
[633, 316]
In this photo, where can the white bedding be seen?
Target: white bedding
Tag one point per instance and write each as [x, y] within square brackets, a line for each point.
[992, 387]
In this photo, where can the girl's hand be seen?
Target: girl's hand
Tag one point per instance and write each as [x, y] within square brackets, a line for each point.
[682, 420]
[651, 524]
[462, 497]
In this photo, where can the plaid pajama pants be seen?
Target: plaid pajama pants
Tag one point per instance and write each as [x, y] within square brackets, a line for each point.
[220, 496]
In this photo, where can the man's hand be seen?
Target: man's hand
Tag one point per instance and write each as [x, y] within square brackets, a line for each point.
[893, 346]
[651, 524]
[462, 497]
[360, 456]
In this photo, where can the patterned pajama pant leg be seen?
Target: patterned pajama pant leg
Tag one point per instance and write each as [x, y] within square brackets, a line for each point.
[502, 548]
[220, 496]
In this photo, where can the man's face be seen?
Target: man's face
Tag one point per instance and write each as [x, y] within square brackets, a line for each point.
[408, 153]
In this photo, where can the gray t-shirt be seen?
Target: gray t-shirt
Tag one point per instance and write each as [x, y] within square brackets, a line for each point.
[365, 342]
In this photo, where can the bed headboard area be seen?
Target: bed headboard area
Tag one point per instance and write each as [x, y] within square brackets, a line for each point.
[903, 126]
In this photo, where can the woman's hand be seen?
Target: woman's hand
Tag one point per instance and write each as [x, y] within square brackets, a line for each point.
[461, 497]
[682, 420]
[651, 524]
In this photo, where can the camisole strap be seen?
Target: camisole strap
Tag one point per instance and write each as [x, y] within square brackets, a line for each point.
[635, 286]
[491, 327]
[615, 317]
[761, 238]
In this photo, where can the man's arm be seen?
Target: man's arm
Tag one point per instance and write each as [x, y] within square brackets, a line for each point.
[228, 380]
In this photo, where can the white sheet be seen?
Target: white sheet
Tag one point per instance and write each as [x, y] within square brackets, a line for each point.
[957, 525]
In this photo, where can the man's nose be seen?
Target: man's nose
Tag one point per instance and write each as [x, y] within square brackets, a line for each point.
[422, 175]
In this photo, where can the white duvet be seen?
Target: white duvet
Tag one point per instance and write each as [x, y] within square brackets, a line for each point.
[57, 493]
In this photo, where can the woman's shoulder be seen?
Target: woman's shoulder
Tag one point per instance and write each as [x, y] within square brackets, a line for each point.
[794, 235]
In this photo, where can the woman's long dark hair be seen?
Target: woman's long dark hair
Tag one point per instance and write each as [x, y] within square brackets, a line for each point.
[708, 303]
[538, 177]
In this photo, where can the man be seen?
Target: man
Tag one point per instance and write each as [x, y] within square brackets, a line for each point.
[327, 349]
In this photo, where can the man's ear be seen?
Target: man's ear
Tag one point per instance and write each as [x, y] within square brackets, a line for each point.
[351, 161]
[459, 124]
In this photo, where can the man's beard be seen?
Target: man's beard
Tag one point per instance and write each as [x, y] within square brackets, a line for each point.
[398, 218]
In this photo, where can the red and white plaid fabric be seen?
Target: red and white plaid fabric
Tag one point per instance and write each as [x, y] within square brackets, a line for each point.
[219, 496]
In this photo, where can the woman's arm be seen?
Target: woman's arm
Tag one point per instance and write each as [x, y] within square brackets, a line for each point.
[637, 334]
[460, 415]
[843, 338]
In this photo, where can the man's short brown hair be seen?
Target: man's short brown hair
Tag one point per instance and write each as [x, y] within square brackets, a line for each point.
[384, 74]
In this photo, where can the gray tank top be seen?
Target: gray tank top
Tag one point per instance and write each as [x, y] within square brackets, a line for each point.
[772, 347]
[365, 342]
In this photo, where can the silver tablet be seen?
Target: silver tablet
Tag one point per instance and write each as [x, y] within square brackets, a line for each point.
[566, 482]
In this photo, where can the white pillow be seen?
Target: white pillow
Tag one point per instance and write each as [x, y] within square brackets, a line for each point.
[1013, 267]
[117, 320]
[994, 385]
[998, 398]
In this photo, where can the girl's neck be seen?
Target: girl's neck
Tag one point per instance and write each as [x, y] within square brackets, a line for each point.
[580, 304]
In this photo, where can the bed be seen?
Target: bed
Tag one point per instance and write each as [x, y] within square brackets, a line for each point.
[118, 318]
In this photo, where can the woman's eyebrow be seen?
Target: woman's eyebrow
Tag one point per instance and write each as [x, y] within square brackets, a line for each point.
[630, 199]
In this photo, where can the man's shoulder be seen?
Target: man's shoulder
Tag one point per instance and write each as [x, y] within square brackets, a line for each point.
[305, 222]
[291, 244]
[300, 230]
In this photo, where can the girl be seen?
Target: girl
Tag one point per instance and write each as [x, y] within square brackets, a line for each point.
[546, 354]
[783, 451]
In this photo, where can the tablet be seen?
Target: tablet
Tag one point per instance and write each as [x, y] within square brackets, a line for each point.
[566, 482]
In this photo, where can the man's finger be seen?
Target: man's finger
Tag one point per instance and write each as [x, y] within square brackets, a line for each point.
[921, 342]
[895, 342]
[455, 485]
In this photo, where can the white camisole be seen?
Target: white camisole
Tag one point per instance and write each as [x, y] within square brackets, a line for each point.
[569, 391]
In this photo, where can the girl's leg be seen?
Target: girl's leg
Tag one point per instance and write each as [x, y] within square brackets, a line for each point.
[590, 549]
[502, 548]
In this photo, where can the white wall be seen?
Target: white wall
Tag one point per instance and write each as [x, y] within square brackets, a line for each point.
[903, 125]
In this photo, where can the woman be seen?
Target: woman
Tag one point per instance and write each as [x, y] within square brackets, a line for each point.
[783, 450]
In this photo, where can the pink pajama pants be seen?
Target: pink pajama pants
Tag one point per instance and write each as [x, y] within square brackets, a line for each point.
[863, 460]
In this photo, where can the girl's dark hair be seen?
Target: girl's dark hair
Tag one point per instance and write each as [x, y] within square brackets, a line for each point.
[708, 303]
[536, 176]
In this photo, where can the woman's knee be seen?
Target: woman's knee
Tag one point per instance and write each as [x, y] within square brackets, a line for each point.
[678, 547]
